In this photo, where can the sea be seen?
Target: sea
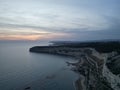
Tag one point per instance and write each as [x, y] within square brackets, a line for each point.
[23, 70]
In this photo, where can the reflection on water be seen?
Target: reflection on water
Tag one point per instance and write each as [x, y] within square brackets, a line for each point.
[22, 70]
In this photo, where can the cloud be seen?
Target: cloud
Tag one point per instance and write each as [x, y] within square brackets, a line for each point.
[111, 32]
[66, 19]
[52, 16]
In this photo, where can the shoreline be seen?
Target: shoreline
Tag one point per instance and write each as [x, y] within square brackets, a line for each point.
[90, 65]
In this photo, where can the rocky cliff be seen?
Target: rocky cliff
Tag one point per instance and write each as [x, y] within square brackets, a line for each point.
[98, 70]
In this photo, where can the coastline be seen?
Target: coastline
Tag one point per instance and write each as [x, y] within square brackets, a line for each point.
[90, 66]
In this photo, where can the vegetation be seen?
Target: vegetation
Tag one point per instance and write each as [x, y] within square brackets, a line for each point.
[102, 47]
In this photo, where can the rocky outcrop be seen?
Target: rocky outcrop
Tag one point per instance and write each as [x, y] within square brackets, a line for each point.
[111, 69]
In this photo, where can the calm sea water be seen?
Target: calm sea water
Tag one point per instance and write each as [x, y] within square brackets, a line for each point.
[20, 69]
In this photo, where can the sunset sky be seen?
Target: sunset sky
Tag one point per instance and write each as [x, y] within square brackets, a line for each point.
[59, 19]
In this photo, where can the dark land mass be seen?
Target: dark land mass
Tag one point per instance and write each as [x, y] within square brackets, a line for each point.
[103, 47]
[98, 62]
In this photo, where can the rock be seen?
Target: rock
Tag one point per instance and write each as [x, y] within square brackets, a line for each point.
[27, 88]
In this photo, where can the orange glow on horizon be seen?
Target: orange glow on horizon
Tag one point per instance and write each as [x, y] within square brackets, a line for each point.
[33, 37]
[20, 37]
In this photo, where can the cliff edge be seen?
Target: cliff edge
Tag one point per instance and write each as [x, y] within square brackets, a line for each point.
[98, 70]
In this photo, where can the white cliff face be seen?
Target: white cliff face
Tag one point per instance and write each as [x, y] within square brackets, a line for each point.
[97, 54]
[113, 79]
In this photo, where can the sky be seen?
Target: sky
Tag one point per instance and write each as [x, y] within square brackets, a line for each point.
[75, 20]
